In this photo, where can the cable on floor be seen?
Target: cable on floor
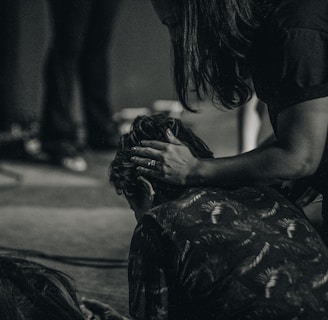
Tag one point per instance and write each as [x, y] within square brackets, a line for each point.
[89, 262]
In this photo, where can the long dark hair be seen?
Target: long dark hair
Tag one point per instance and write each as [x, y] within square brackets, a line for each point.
[31, 291]
[211, 40]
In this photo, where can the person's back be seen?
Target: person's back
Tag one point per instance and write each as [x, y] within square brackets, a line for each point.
[228, 254]
[289, 63]
[215, 253]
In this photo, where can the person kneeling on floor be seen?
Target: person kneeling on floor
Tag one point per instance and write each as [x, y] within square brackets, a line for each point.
[214, 253]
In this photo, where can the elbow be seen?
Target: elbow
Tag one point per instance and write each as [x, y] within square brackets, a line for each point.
[302, 169]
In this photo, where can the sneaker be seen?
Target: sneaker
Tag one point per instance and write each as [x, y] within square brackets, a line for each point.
[66, 155]
[28, 150]
[76, 164]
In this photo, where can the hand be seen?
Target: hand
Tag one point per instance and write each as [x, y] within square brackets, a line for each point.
[308, 197]
[99, 310]
[170, 161]
[299, 191]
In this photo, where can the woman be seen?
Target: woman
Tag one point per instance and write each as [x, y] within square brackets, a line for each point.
[282, 45]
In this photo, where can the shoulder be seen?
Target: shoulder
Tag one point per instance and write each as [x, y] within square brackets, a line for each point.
[301, 14]
[215, 211]
[213, 217]
[190, 209]
[289, 54]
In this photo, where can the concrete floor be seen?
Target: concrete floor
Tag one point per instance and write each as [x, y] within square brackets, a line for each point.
[62, 214]
[50, 210]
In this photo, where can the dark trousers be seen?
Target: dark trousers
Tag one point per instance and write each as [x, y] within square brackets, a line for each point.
[79, 51]
[9, 37]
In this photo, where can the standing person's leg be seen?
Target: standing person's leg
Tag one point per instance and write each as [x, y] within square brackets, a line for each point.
[9, 37]
[59, 130]
[95, 75]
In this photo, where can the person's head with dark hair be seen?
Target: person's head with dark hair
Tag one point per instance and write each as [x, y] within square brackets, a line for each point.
[30, 291]
[211, 40]
[123, 173]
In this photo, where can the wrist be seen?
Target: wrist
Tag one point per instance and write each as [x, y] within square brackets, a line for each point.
[195, 175]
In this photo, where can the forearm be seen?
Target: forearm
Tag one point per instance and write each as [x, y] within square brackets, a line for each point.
[263, 166]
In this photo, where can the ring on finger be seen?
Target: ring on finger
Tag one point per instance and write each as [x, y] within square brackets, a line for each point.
[151, 163]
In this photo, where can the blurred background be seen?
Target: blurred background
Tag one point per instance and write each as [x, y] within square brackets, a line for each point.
[140, 68]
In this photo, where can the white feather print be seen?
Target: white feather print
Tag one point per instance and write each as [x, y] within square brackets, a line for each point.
[191, 200]
[264, 276]
[290, 226]
[271, 212]
[138, 229]
[191, 277]
[249, 240]
[269, 279]
[255, 261]
[185, 250]
[160, 291]
[317, 258]
[216, 209]
[320, 280]
[209, 206]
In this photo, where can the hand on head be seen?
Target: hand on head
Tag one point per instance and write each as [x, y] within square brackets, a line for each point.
[162, 151]
[170, 161]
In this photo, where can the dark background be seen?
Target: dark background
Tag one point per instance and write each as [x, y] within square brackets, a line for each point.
[140, 54]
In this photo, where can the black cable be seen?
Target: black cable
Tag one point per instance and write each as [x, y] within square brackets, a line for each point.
[98, 263]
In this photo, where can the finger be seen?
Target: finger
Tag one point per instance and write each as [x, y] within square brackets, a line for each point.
[85, 311]
[306, 200]
[147, 163]
[172, 138]
[158, 145]
[308, 196]
[147, 152]
[95, 306]
[150, 173]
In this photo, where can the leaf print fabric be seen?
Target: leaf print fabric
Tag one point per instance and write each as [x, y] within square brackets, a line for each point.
[228, 254]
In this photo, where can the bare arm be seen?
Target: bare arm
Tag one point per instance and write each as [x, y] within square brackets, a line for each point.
[301, 137]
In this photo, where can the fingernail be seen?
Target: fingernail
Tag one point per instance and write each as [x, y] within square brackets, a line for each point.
[169, 132]
[133, 158]
[134, 149]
